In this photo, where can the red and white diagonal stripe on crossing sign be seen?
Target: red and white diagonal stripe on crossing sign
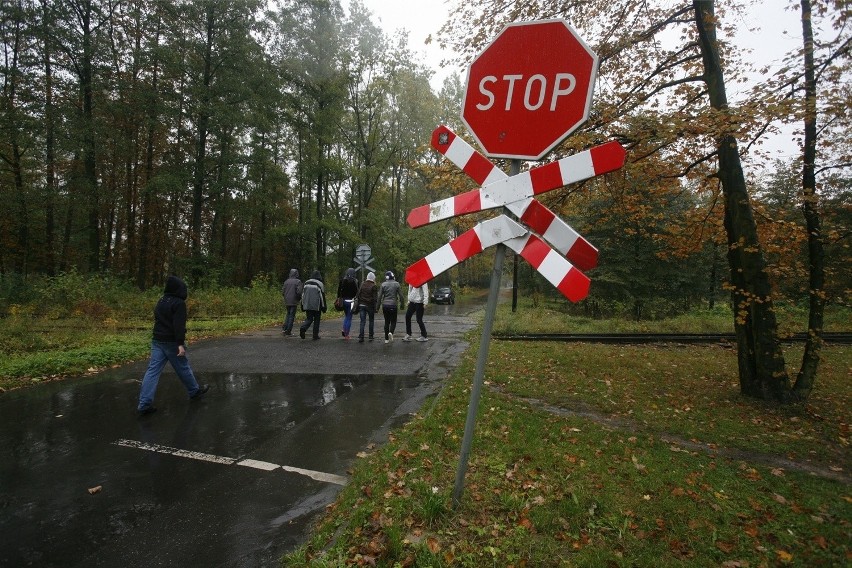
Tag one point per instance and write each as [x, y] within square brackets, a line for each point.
[479, 168]
[515, 193]
[504, 189]
[470, 243]
[537, 216]
[557, 232]
[570, 281]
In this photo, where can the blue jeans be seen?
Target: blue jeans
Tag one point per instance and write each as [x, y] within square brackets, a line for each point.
[365, 313]
[162, 352]
[347, 316]
[290, 318]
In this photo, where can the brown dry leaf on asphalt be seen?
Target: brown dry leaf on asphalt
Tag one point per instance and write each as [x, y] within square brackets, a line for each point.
[97, 489]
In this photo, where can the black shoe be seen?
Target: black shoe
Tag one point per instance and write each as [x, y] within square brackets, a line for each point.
[200, 392]
[360, 340]
[301, 333]
[146, 411]
[316, 337]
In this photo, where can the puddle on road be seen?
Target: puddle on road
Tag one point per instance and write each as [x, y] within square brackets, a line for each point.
[318, 422]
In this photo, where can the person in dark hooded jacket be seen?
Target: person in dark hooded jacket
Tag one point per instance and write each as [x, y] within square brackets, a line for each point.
[346, 291]
[169, 345]
[292, 292]
[313, 303]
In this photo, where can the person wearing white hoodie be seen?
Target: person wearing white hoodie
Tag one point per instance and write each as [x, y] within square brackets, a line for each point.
[418, 299]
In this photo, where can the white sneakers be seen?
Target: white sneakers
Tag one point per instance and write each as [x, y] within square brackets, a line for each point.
[420, 339]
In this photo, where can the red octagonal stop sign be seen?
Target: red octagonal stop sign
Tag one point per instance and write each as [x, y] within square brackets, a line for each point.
[529, 89]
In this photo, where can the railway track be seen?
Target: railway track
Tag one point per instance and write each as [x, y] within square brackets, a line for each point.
[835, 338]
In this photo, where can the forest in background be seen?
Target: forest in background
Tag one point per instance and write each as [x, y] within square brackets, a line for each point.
[222, 139]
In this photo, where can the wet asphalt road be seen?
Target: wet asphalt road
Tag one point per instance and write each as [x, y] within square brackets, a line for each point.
[232, 480]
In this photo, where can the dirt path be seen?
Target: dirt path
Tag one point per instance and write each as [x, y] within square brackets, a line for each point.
[681, 444]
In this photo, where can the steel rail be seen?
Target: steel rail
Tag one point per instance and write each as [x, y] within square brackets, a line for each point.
[839, 338]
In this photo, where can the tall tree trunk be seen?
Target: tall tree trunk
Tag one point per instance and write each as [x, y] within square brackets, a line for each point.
[147, 190]
[49, 143]
[21, 251]
[90, 180]
[201, 143]
[320, 250]
[810, 207]
[760, 359]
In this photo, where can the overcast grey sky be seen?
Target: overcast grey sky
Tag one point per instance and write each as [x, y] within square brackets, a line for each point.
[767, 29]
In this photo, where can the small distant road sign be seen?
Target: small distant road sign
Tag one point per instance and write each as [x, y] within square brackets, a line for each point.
[363, 257]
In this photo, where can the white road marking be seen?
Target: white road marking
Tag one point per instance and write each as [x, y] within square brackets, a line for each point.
[265, 466]
[174, 451]
[317, 475]
[256, 464]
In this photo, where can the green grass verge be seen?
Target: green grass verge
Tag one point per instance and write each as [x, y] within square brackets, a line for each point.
[41, 350]
[654, 460]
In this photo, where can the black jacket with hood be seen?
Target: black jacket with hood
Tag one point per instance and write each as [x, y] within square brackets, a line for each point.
[170, 312]
[348, 287]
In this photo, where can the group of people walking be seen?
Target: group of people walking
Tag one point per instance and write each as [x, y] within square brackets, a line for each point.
[168, 344]
[364, 299]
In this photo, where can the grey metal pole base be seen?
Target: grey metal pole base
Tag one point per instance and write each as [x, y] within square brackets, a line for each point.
[479, 375]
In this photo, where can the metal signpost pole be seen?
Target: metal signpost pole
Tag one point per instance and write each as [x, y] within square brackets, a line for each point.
[482, 359]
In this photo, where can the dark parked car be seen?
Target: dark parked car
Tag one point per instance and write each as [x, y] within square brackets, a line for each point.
[444, 295]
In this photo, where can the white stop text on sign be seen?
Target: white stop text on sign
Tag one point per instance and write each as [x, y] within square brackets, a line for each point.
[536, 90]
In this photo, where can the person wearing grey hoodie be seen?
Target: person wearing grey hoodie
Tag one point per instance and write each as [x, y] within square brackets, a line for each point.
[313, 303]
[292, 292]
[388, 295]
[168, 345]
